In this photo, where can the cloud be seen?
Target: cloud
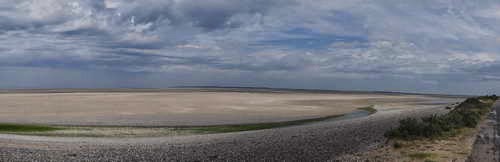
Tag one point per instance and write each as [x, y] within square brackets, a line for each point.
[327, 39]
[490, 12]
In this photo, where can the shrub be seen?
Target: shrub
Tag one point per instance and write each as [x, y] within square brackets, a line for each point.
[432, 129]
[471, 118]
[466, 114]
[454, 120]
[397, 145]
[408, 128]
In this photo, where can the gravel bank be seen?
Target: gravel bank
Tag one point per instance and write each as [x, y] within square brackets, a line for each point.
[320, 141]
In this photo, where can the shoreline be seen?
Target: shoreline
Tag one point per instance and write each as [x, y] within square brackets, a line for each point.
[220, 89]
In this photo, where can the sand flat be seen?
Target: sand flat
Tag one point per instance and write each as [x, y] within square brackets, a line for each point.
[191, 108]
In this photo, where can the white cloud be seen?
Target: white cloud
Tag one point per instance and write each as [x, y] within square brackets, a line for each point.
[491, 12]
[112, 3]
[330, 37]
[474, 58]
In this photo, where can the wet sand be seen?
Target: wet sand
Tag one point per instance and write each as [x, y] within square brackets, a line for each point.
[175, 108]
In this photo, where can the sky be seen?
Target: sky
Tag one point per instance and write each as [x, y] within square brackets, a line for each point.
[426, 46]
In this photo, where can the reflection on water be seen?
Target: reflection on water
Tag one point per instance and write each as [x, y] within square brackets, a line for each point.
[352, 115]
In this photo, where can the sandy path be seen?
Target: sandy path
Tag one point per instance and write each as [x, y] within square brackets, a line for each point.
[487, 147]
[320, 141]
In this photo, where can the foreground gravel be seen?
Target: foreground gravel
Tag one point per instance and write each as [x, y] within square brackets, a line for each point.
[314, 142]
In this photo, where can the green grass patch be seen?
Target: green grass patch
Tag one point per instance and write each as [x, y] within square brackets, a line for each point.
[420, 155]
[370, 109]
[16, 128]
[249, 127]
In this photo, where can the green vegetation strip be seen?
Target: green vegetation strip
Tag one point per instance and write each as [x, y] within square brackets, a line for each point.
[73, 131]
[371, 109]
[258, 126]
[13, 128]
[467, 114]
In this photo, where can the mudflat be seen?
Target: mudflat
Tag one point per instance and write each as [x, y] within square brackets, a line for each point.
[180, 108]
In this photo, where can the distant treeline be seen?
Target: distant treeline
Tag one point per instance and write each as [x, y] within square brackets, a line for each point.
[466, 114]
